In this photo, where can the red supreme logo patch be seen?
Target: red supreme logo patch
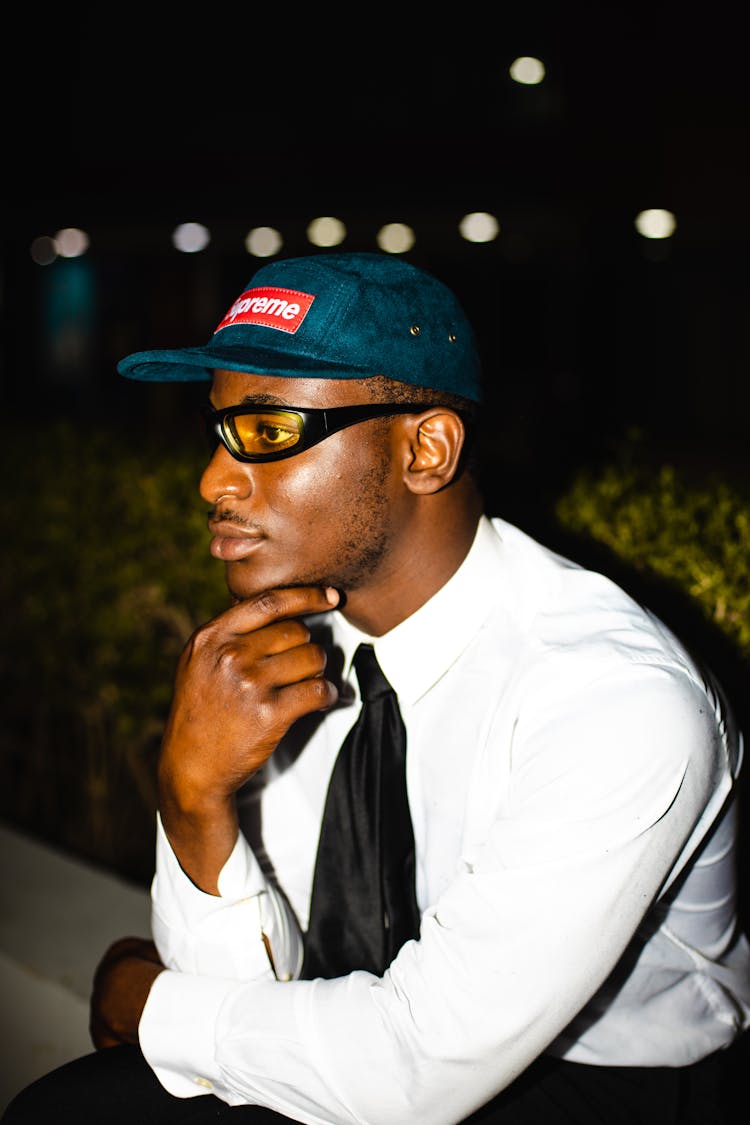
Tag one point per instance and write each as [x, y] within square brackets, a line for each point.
[272, 307]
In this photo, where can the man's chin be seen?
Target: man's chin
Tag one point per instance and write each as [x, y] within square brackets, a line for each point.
[240, 587]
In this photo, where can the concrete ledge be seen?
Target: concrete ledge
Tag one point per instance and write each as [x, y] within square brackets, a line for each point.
[57, 916]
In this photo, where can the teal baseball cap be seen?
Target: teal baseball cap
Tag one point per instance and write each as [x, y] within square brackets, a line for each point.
[334, 316]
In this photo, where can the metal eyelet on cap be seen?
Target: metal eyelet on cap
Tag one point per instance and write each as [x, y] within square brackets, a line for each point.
[415, 329]
[452, 337]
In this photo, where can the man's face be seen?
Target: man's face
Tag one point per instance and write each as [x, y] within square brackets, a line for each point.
[325, 516]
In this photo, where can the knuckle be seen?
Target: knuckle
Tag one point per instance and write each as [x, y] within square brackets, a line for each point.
[228, 663]
[320, 689]
[269, 603]
[199, 640]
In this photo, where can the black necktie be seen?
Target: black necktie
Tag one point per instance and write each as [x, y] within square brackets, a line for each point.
[363, 905]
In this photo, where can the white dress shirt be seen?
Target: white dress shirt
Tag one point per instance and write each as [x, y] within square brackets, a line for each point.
[570, 776]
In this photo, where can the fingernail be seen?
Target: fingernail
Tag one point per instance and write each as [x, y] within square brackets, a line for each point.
[332, 595]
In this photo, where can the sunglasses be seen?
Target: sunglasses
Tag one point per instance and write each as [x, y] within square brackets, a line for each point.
[255, 432]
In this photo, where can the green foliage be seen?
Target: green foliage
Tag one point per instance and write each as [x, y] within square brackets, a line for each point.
[694, 536]
[104, 576]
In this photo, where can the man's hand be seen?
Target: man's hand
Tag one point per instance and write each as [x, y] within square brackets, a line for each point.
[242, 680]
[122, 983]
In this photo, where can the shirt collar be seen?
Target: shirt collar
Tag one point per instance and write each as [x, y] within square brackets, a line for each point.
[419, 650]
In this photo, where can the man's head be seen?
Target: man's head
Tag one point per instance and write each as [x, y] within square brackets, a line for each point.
[297, 497]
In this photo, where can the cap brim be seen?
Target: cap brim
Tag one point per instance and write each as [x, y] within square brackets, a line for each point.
[190, 365]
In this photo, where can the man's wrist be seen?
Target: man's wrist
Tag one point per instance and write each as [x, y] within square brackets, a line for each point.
[202, 831]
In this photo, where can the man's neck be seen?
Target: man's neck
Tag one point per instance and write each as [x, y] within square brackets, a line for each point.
[412, 575]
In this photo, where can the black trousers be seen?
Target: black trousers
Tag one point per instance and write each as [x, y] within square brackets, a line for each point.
[117, 1087]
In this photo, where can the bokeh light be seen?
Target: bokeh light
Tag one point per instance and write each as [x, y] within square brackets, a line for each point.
[71, 242]
[263, 242]
[479, 226]
[655, 223]
[527, 70]
[326, 231]
[395, 238]
[190, 237]
[43, 250]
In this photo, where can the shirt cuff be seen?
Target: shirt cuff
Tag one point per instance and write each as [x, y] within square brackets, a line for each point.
[246, 932]
[176, 1032]
[240, 877]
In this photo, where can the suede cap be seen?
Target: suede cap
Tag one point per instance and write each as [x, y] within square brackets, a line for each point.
[334, 316]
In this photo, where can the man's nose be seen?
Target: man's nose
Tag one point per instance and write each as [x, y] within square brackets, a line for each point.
[225, 476]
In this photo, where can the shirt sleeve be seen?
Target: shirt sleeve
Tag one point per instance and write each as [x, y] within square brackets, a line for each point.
[246, 932]
[601, 799]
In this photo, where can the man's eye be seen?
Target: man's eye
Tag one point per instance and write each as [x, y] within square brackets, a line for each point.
[266, 433]
[275, 435]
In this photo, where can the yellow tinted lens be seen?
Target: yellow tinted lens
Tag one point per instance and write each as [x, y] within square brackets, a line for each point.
[270, 431]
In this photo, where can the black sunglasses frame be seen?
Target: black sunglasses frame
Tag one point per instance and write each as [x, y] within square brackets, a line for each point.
[317, 424]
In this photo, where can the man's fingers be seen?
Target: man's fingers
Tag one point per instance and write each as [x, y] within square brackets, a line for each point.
[280, 636]
[312, 695]
[294, 665]
[271, 621]
[284, 602]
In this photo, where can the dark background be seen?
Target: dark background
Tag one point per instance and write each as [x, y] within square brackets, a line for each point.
[126, 121]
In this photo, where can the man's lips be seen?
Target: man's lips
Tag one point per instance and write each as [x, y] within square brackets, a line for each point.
[230, 542]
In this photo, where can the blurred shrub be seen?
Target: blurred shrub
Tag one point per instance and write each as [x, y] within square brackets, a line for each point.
[694, 536]
[681, 545]
[104, 575]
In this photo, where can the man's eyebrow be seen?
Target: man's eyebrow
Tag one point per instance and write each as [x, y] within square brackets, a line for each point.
[265, 400]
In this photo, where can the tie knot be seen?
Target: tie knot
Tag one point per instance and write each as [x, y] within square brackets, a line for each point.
[372, 682]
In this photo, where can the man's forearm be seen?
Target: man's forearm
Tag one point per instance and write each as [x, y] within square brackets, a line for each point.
[202, 831]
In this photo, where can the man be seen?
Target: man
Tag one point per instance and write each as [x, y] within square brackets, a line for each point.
[559, 940]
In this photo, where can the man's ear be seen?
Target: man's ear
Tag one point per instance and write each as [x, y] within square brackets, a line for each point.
[436, 438]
